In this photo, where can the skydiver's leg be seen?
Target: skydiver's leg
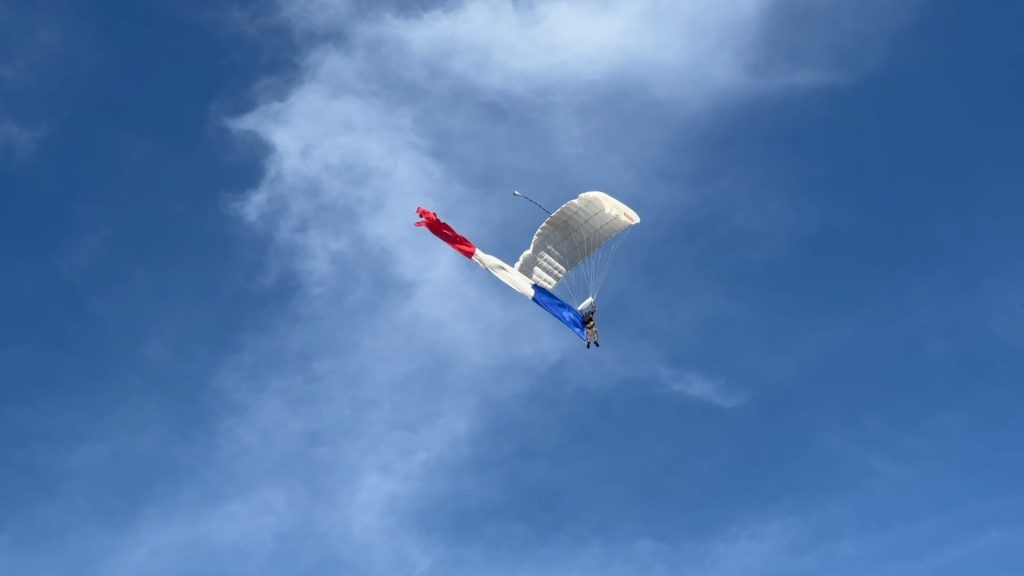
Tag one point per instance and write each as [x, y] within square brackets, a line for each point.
[588, 339]
[597, 338]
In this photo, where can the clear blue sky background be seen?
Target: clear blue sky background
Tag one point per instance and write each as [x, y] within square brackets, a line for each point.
[224, 349]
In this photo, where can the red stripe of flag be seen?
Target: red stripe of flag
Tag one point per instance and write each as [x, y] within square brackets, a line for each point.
[445, 232]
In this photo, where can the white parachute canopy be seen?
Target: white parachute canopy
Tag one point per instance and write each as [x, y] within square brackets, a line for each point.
[576, 244]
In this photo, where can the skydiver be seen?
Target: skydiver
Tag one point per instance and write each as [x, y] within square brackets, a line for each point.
[591, 325]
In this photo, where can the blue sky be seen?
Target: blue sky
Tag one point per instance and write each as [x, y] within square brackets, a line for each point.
[224, 348]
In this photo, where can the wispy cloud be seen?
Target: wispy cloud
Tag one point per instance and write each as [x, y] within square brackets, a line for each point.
[752, 549]
[17, 142]
[28, 40]
[700, 387]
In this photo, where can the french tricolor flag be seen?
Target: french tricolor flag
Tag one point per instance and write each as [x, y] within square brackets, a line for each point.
[507, 274]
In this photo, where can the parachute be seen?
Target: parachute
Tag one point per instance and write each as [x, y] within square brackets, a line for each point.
[570, 251]
[575, 245]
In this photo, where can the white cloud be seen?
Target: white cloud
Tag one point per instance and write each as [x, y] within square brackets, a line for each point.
[754, 549]
[701, 387]
[27, 42]
[689, 47]
[16, 141]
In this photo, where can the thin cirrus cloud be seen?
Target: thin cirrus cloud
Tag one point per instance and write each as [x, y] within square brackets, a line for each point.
[28, 44]
[691, 46]
[700, 387]
[17, 142]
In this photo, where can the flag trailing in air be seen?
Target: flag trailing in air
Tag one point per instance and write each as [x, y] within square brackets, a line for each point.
[507, 274]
